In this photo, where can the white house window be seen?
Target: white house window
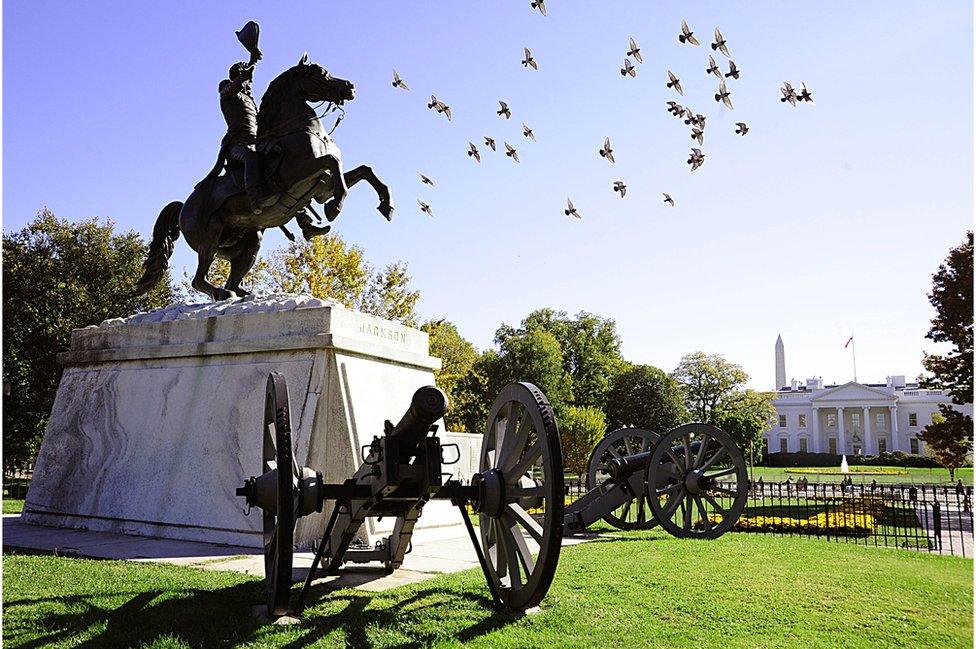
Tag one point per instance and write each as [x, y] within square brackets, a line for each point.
[831, 420]
[782, 421]
[913, 442]
[913, 419]
[879, 419]
[803, 444]
[803, 421]
[832, 446]
[783, 448]
[882, 445]
[856, 420]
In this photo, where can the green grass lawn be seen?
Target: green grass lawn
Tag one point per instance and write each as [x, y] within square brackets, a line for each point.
[12, 506]
[642, 589]
[911, 475]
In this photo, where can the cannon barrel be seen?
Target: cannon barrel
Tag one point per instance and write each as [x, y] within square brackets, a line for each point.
[620, 468]
[427, 406]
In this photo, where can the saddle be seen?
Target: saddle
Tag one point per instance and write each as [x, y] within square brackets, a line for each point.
[218, 188]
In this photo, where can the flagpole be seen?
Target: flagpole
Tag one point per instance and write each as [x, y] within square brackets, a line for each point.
[854, 359]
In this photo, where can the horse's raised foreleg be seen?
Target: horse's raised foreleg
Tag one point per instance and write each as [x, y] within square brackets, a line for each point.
[242, 259]
[365, 172]
[339, 189]
[205, 257]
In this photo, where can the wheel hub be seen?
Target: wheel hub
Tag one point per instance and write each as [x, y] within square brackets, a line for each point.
[491, 490]
[696, 481]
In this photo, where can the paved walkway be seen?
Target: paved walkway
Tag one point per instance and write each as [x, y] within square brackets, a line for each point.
[436, 551]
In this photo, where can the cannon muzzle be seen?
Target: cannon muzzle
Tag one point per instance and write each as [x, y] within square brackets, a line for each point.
[427, 406]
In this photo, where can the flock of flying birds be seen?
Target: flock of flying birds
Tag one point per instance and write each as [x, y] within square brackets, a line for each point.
[690, 118]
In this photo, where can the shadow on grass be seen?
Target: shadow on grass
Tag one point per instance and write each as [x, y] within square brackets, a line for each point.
[225, 617]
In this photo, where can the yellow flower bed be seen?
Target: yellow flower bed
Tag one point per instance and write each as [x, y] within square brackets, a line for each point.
[859, 470]
[841, 523]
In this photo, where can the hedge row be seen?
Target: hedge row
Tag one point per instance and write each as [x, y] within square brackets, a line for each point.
[894, 458]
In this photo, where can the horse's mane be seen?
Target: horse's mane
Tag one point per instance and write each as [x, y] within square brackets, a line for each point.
[272, 99]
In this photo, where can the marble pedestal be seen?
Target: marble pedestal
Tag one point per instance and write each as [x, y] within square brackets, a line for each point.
[156, 423]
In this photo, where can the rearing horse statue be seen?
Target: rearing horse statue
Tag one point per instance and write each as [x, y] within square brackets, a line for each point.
[305, 163]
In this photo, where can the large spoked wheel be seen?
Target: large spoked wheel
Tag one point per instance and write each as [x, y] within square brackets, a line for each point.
[521, 506]
[279, 525]
[636, 513]
[697, 482]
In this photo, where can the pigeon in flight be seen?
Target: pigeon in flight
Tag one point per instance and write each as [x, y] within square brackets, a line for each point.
[504, 110]
[527, 132]
[686, 35]
[490, 143]
[528, 60]
[713, 67]
[511, 152]
[696, 159]
[571, 210]
[723, 95]
[473, 152]
[733, 71]
[698, 134]
[440, 107]
[804, 94]
[690, 118]
[425, 180]
[719, 43]
[634, 51]
[628, 69]
[675, 82]
[788, 93]
[741, 128]
[607, 151]
[540, 5]
[424, 207]
[668, 199]
[675, 108]
[700, 120]
[398, 82]
[619, 186]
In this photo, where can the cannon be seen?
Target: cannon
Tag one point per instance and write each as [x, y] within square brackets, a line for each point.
[639, 479]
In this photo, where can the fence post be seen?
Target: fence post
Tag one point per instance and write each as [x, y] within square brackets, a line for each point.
[937, 524]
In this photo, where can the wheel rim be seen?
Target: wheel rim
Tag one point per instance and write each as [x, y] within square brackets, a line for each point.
[521, 547]
[697, 482]
[620, 443]
[279, 526]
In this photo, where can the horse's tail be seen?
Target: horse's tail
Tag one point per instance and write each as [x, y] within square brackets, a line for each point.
[165, 232]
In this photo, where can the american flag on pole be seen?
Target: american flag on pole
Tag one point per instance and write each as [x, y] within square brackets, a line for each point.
[849, 341]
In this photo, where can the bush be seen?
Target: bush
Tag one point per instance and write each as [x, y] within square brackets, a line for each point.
[895, 458]
[580, 430]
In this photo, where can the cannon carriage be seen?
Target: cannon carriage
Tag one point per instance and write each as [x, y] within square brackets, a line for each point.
[517, 492]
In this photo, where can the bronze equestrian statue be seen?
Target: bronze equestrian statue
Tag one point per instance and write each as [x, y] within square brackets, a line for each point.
[281, 143]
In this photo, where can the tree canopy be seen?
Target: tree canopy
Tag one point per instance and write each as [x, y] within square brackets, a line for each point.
[706, 381]
[645, 397]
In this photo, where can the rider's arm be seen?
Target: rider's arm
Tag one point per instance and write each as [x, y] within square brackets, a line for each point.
[233, 86]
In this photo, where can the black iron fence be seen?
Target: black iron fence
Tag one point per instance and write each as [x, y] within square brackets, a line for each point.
[931, 518]
[16, 481]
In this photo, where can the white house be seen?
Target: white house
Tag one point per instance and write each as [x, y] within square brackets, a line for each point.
[853, 418]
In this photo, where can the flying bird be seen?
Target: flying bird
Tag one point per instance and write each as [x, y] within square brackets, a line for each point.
[741, 128]
[634, 51]
[668, 199]
[700, 120]
[425, 180]
[398, 82]
[628, 69]
[698, 134]
[686, 35]
[440, 107]
[473, 152]
[723, 95]
[619, 186]
[675, 82]
[504, 110]
[804, 94]
[719, 43]
[675, 108]
[690, 117]
[490, 143]
[527, 132]
[571, 210]
[713, 67]
[696, 159]
[511, 152]
[528, 60]
[788, 93]
[540, 5]
[424, 207]
[607, 151]
[733, 71]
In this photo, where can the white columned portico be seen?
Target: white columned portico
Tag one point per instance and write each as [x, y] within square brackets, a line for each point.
[841, 432]
[893, 413]
[866, 430]
[818, 443]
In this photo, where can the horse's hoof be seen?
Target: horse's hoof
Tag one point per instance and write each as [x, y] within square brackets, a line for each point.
[221, 294]
[332, 212]
[386, 209]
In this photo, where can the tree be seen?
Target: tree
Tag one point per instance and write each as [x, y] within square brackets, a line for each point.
[580, 429]
[474, 392]
[745, 416]
[645, 397]
[458, 357]
[706, 380]
[388, 295]
[950, 448]
[59, 276]
[533, 356]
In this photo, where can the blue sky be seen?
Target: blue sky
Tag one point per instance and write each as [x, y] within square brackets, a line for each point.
[824, 220]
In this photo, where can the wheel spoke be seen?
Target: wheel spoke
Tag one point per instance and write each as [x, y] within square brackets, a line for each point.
[641, 519]
[516, 430]
[525, 520]
[701, 508]
[501, 561]
[686, 438]
[532, 455]
[627, 446]
[511, 560]
[687, 513]
[515, 492]
[721, 474]
[701, 450]
[668, 489]
[674, 458]
[524, 554]
[711, 501]
[718, 455]
[625, 510]
[672, 505]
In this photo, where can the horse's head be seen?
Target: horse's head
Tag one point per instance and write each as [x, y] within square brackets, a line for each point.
[316, 84]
